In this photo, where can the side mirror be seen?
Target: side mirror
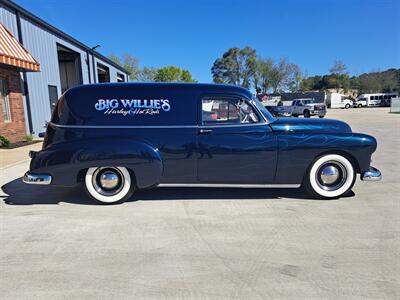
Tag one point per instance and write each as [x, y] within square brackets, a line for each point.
[41, 134]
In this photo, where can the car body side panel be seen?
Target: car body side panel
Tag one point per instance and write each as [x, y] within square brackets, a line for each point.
[240, 154]
[298, 150]
[155, 155]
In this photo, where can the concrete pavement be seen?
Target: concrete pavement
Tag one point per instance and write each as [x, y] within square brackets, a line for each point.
[208, 243]
[11, 157]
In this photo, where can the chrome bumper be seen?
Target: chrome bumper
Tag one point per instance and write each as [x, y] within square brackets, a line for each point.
[31, 178]
[372, 174]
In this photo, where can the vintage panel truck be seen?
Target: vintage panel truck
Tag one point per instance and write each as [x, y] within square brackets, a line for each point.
[117, 138]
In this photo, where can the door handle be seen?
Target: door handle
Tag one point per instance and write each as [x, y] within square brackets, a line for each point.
[205, 131]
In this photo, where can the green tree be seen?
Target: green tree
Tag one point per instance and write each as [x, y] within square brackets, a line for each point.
[129, 63]
[173, 74]
[262, 75]
[186, 76]
[285, 76]
[115, 59]
[147, 74]
[236, 66]
[339, 67]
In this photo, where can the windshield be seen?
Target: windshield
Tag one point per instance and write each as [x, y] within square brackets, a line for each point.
[263, 110]
[310, 101]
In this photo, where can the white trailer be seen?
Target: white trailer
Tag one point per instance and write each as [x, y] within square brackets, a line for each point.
[336, 100]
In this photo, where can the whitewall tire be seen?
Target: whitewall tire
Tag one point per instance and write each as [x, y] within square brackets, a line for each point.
[109, 184]
[330, 176]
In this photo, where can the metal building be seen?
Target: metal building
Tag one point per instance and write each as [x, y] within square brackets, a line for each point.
[64, 62]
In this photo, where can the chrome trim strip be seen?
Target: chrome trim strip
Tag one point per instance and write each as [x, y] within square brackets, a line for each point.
[121, 127]
[259, 111]
[229, 185]
[42, 179]
[153, 127]
[372, 174]
[234, 125]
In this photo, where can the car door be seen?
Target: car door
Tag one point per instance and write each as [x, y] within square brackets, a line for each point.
[235, 143]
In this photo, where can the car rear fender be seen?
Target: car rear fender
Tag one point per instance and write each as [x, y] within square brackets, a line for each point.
[64, 161]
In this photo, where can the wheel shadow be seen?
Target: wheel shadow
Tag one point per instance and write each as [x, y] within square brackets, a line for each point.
[18, 193]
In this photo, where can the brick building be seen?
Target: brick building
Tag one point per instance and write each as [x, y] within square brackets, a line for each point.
[13, 60]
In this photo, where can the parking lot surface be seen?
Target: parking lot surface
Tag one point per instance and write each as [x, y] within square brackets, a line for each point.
[172, 243]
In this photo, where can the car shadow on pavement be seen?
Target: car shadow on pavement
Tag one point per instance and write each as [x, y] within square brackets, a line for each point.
[18, 193]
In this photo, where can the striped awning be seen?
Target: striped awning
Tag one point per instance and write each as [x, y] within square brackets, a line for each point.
[14, 54]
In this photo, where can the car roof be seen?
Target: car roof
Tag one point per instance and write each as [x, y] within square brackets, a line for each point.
[198, 87]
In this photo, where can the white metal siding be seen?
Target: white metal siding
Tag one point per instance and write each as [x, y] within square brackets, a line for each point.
[8, 19]
[42, 44]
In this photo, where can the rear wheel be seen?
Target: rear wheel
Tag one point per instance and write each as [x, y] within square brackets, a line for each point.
[359, 105]
[330, 176]
[109, 184]
[306, 113]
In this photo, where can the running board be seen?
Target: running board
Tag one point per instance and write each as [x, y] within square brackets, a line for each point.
[225, 185]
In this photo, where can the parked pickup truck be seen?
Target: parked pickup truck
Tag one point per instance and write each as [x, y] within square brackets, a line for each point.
[117, 138]
[307, 108]
[299, 107]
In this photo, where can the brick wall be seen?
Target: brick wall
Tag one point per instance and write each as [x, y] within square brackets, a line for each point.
[14, 130]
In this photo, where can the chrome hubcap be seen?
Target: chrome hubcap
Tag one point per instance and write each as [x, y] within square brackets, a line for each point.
[331, 176]
[108, 181]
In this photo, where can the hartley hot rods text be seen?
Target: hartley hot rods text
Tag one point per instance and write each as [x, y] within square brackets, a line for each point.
[132, 106]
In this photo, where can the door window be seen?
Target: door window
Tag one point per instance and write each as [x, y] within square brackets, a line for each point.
[5, 100]
[227, 111]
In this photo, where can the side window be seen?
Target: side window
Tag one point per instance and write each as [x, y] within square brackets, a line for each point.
[5, 100]
[227, 111]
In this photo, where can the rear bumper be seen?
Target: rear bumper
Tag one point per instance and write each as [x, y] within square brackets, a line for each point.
[372, 174]
[32, 178]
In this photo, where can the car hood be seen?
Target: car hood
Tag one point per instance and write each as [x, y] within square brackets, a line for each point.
[309, 125]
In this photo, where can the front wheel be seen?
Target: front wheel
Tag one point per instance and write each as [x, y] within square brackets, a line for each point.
[359, 105]
[347, 106]
[306, 113]
[109, 184]
[330, 176]
[321, 117]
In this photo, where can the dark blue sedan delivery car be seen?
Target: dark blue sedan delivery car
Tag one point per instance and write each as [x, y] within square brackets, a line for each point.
[117, 138]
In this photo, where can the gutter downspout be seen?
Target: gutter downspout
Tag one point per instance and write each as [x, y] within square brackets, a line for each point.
[25, 78]
[94, 70]
[88, 65]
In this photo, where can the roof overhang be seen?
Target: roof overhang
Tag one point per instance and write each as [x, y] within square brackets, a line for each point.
[12, 53]
[32, 18]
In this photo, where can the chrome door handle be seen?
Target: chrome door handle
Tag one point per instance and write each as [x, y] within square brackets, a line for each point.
[205, 131]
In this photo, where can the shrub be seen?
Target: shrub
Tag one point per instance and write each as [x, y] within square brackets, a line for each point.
[28, 138]
[4, 142]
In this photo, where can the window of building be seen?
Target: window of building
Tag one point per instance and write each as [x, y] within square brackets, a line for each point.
[103, 73]
[5, 100]
[120, 77]
[53, 96]
[227, 111]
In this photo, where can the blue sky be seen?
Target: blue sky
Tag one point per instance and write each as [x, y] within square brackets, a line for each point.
[365, 34]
